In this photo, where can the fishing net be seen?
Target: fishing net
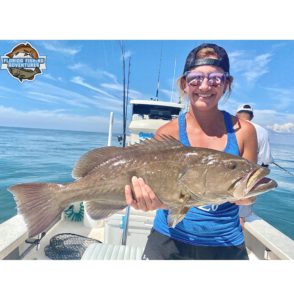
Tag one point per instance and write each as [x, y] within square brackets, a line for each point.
[68, 246]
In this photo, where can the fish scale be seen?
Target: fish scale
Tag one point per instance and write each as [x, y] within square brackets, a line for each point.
[181, 177]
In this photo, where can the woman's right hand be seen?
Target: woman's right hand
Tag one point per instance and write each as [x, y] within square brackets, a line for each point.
[145, 199]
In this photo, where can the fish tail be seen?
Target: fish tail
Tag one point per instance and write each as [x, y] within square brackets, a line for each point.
[39, 204]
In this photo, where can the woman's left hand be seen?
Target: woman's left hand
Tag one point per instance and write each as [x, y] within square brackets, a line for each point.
[247, 201]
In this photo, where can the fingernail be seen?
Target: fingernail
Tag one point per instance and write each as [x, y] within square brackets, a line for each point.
[134, 178]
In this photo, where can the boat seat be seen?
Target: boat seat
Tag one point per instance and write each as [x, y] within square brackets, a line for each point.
[112, 252]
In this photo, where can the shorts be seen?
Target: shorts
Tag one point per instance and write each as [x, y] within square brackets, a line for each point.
[162, 247]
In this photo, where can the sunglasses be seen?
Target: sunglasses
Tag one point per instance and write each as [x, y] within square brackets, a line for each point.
[214, 79]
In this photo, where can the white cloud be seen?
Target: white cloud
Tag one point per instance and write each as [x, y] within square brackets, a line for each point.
[86, 70]
[252, 68]
[50, 77]
[56, 119]
[111, 89]
[265, 117]
[128, 54]
[133, 94]
[282, 96]
[47, 92]
[57, 47]
[169, 94]
[287, 127]
[80, 81]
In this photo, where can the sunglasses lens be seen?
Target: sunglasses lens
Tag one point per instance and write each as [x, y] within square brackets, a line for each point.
[196, 78]
[215, 79]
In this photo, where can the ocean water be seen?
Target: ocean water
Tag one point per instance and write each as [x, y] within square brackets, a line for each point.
[38, 155]
[31, 155]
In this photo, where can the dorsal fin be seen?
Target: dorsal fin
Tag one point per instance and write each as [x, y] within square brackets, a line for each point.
[166, 142]
[93, 158]
[96, 157]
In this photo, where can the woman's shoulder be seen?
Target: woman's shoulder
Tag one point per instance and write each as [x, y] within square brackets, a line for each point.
[169, 129]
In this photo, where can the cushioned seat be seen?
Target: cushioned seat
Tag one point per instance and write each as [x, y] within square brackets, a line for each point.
[112, 252]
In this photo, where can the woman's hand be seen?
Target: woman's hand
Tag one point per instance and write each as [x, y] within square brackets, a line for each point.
[145, 198]
[247, 201]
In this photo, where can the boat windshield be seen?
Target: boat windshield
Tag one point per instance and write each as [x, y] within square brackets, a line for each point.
[156, 111]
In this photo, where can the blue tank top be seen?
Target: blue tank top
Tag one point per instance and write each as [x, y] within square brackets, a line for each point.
[210, 225]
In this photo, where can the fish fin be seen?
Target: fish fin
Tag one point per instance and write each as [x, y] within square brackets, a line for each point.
[98, 211]
[175, 216]
[94, 158]
[188, 177]
[166, 142]
[38, 203]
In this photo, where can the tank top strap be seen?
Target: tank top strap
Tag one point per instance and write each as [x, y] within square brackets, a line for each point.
[232, 144]
[182, 129]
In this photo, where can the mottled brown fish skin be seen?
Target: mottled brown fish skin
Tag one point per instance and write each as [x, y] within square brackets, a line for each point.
[23, 48]
[24, 74]
[181, 177]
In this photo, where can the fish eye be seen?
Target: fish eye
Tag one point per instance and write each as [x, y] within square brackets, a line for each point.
[231, 165]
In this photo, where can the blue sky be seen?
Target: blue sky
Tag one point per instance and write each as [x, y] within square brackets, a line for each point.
[82, 82]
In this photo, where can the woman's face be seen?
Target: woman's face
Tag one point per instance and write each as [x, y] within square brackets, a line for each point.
[205, 94]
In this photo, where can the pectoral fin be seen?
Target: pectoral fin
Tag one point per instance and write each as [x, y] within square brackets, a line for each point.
[175, 216]
[98, 211]
[192, 184]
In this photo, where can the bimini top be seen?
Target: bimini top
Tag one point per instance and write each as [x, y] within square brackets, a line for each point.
[158, 103]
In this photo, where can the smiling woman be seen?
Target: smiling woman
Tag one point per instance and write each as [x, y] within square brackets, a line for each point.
[208, 231]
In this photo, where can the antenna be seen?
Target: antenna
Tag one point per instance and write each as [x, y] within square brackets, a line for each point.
[172, 91]
[157, 90]
[128, 84]
[124, 92]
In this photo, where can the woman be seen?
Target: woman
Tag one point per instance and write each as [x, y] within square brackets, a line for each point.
[208, 232]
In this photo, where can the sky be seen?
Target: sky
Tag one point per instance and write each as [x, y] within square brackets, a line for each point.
[82, 82]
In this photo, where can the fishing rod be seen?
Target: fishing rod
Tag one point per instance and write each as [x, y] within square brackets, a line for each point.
[158, 80]
[172, 89]
[125, 103]
[128, 84]
[288, 172]
[124, 92]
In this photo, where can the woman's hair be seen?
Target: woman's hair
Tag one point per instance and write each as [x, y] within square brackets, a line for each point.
[204, 53]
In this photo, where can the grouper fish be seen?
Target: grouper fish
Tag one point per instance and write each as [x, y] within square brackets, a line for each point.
[180, 176]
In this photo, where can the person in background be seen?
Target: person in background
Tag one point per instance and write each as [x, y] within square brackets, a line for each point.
[210, 231]
[264, 156]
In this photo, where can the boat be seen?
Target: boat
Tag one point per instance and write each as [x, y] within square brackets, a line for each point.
[124, 235]
[148, 116]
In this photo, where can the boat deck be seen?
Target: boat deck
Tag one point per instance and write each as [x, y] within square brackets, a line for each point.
[65, 226]
[263, 241]
[98, 232]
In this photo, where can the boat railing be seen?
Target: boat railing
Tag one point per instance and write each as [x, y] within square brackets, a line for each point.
[265, 241]
[13, 234]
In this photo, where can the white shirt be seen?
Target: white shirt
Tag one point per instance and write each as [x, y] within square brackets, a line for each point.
[264, 155]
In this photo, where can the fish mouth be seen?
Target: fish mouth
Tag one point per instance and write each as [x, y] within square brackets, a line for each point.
[253, 184]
